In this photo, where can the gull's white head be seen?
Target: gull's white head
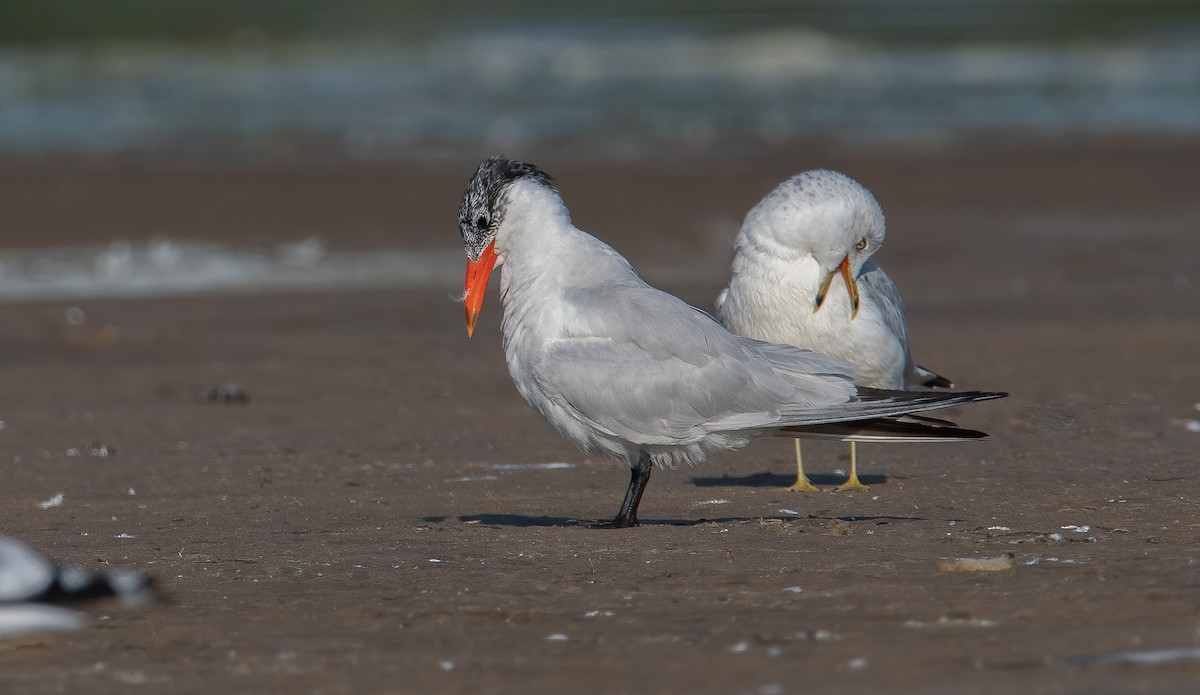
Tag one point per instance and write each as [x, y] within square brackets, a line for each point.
[819, 214]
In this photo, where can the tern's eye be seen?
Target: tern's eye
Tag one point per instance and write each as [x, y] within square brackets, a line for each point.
[482, 222]
[862, 244]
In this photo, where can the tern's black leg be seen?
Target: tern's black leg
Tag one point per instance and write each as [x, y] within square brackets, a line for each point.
[639, 475]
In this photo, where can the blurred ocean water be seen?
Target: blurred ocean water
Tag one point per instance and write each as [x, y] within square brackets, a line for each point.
[622, 90]
[393, 80]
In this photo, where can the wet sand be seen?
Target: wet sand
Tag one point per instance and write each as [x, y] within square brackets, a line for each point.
[368, 521]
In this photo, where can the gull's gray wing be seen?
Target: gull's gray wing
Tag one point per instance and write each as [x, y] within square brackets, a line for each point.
[886, 297]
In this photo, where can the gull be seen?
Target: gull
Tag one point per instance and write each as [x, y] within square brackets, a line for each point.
[33, 591]
[623, 369]
[812, 227]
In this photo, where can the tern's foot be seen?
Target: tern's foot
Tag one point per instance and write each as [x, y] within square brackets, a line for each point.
[803, 484]
[852, 484]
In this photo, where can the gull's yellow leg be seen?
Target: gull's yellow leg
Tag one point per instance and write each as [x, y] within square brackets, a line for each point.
[802, 484]
[852, 483]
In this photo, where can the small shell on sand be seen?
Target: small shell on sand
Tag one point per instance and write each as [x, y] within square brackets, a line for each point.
[976, 564]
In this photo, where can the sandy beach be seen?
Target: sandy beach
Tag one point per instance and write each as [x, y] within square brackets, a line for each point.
[380, 515]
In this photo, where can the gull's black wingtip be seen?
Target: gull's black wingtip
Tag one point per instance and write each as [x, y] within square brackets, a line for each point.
[938, 382]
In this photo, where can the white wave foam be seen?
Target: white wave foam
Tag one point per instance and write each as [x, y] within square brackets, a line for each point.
[165, 267]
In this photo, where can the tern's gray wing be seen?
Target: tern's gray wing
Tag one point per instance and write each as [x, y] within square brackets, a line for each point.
[649, 368]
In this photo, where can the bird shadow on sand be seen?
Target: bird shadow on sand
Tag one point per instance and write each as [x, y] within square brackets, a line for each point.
[767, 479]
[521, 520]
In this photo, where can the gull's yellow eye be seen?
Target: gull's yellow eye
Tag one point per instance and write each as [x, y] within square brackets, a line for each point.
[862, 244]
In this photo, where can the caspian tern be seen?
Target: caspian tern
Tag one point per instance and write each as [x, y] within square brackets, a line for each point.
[622, 368]
[812, 227]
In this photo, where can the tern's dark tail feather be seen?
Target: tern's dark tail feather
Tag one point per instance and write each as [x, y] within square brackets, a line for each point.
[871, 404]
[905, 428]
[935, 399]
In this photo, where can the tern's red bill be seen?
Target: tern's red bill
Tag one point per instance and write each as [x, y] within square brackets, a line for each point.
[476, 284]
